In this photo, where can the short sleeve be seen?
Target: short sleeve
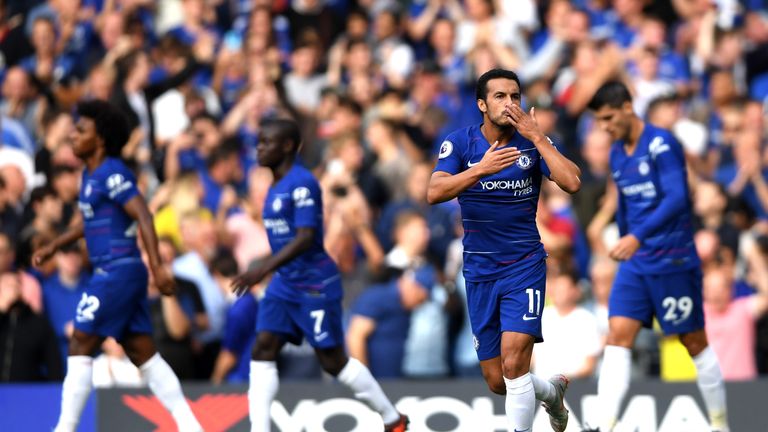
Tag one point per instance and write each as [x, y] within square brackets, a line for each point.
[666, 153]
[375, 301]
[449, 159]
[121, 185]
[306, 204]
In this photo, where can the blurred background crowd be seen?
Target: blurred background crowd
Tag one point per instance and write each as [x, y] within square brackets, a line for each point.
[375, 85]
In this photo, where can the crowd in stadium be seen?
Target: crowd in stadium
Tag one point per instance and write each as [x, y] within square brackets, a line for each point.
[375, 86]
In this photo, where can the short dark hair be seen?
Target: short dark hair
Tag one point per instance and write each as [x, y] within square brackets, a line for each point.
[481, 91]
[224, 263]
[40, 193]
[287, 128]
[111, 124]
[222, 152]
[613, 94]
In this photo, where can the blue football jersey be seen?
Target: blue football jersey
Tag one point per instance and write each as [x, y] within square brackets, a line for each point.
[654, 202]
[295, 202]
[110, 233]
[499, 212]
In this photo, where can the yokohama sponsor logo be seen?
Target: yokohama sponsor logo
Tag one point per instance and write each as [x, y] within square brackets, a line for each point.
[506, 184]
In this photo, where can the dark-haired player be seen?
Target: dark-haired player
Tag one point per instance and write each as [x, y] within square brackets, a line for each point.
[115, 301]
[660, 272]
[303, 299]
[495, 169]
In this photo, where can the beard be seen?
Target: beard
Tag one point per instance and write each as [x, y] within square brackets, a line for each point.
[501, 121]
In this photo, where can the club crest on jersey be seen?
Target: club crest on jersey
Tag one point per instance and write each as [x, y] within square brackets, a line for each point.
[446, 148]
[277, 205]
[524, 162]
[643, 168]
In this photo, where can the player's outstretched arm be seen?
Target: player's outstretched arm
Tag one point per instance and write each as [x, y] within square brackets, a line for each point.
[300, 244]
[73, 234]
[562, 171]
[137, 209]
[444, 186]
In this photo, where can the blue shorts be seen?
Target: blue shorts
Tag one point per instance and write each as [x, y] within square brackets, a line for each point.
[674, 298]
[115, 302]
[513, 303]
[315, 318]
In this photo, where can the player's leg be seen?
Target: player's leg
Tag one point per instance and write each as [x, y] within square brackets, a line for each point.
[709, 378]
[613, 383]
[78, 381]
[274, 327]
[263, 380]
[141, 350]
[679, 305]
[356, 376]
[520, 403]
[630, 306]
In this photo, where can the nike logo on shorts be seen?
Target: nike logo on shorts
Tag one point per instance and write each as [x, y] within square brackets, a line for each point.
[528, 318]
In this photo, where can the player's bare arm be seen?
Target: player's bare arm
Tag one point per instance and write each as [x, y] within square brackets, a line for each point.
[444, 186]
[300, 244]
[73, 234]
[137, 209]
[563, 172]
[602, 218]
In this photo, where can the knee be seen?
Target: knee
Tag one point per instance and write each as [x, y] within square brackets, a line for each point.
[695, 343]
[497, 387]
[513, 366]
[619, 339]
[266, 348]
[83, 344]
[495, 382]
[333, 366]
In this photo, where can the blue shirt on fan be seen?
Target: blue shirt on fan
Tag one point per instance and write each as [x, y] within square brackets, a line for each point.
[499, 212]
[654, 202]
[110, 233]
[240, 334]
[295, 202]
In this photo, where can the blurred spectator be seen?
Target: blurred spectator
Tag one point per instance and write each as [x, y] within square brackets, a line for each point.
[380, 322]
[426, 348]
[731, 322]
[392, 54]
[47, 214]
[46, 64]
[10, 215]
[709, 206]
[438, 218]
[20, 101]
[223, 169]
[302, 83]
[233, 362]
[596, 153]
[601, 275]
[175, 318]
[648, 84]
[199, 240]
[31, 292]
[175, 199]
[62, 291]
[572, 341]
[29, 351]
[246, 231]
